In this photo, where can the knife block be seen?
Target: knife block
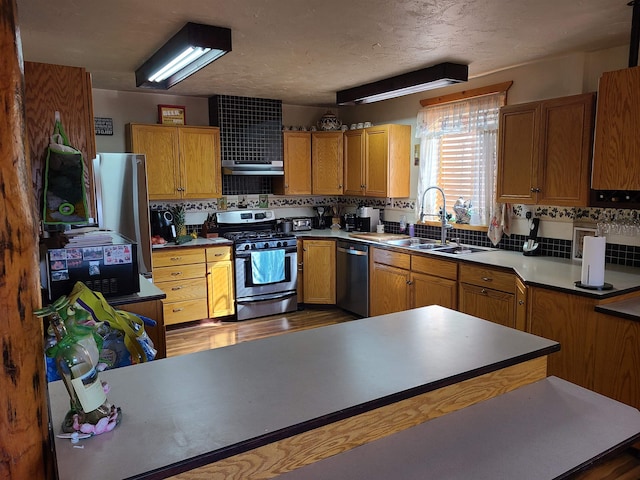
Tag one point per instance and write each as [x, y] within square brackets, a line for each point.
[209, 230]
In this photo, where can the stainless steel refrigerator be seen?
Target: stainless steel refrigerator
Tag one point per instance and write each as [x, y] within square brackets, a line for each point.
[122, 203]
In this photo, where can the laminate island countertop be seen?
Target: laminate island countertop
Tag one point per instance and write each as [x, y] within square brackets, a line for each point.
[369, 377]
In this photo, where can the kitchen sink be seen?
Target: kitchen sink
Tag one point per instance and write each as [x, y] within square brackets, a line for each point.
[459, 250]
[414, 242]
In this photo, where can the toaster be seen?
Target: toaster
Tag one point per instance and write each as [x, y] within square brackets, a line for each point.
[300, 224]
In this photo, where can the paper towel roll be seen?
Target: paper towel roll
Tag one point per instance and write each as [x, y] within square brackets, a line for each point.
[593, 261]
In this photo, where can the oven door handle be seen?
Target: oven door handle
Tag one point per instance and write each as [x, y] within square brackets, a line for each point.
[268, 297]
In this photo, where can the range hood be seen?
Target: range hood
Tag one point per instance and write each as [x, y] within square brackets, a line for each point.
[248, 167]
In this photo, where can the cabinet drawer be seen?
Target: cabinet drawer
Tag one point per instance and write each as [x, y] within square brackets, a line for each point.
[185, 311]
[395, 259]
[177, 272]
[178, 256]
[188, 289]
[486, 277]
[218, 254]
[434, 266]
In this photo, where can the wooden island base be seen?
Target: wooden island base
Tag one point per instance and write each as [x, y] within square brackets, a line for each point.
[309, 447]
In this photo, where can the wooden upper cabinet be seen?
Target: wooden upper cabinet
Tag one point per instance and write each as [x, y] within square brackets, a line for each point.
[182, 162]
[297, 165]
[160, 147]
[327, 168]
[354, 183]
[200, 168]
[378, 161]
[544, 151]
[617, 141]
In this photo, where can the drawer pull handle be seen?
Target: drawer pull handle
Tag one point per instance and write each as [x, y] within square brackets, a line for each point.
[487, 279]
[483, 291]
[218, 254]
[175, 259]
[175, 310]
[176, 288]
[175, 274]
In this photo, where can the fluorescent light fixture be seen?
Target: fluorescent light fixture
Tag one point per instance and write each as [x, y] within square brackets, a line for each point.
[195, 46]
[437, 76]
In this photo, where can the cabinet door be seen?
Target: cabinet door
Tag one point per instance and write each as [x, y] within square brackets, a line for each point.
[377, 161]
[492, 305]
[327, 169]
[319, 271]
[565, 150]
[297, 165]
[617, 143]
[430, 290]
[389, 290]
[518, 153]
[160, 147]
[567, 319]
[617, 373]
[200, 174]
[354, 162]
[220, 293]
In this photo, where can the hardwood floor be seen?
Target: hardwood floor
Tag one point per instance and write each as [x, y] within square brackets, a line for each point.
[209, 334]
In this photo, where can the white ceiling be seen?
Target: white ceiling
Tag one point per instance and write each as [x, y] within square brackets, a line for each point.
[302, 51]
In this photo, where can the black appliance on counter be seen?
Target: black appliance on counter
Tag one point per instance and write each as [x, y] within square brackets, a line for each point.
[162, 224]
[531, 246]
[265, 265]
[106, 262]
[349, 222]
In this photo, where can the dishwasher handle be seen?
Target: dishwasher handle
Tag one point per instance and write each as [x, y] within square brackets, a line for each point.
[353, 251]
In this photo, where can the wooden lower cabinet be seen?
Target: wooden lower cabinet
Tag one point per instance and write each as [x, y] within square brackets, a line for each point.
[433, 282]
[220, 291]
[319, 271]
[598, 351]
[153, 310]
[567, 319]
[181, 274]
[487, 293]
[390, 282]
[617, 359]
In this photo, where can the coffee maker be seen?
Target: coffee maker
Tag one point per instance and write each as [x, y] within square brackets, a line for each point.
[367, 219]
[162, 224]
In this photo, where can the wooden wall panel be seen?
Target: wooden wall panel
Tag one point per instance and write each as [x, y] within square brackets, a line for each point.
[25, 452]
[51, 88]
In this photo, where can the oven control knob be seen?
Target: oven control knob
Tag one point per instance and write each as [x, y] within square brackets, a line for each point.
[247, 247]
[279, 244]
[266, 245]
[253, 246]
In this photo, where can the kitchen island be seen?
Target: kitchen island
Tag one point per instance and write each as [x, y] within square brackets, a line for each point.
[276, 404]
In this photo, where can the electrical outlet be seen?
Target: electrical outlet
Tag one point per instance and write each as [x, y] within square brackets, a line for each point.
[527, 215]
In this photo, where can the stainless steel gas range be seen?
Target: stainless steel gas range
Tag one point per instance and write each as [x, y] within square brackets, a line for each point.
[265, 263]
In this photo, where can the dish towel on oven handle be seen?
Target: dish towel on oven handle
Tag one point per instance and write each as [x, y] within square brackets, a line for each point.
[267, 266]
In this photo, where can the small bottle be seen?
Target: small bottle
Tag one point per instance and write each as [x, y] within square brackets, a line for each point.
[80, 376]
[412, 230]
[403, 223]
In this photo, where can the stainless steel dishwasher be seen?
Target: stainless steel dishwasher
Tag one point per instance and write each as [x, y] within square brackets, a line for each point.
[352, 272]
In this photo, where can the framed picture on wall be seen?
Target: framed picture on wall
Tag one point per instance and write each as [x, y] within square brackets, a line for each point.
[172, 115]
[578, 239]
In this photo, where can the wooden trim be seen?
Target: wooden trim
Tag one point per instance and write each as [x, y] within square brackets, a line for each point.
[308, 447]
[474, 92]
[458, 226]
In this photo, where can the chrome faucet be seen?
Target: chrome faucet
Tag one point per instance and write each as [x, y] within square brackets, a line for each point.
[443, 220]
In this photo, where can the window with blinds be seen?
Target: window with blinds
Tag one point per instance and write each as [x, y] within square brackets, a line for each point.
[461, 169]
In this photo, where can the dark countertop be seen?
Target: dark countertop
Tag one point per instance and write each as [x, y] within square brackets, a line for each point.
[628, 309]
[198, 408]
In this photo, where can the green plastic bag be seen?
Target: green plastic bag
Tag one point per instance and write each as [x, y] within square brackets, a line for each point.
[65, 200]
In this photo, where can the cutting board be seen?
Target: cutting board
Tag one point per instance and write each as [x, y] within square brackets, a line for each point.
[378, 237]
